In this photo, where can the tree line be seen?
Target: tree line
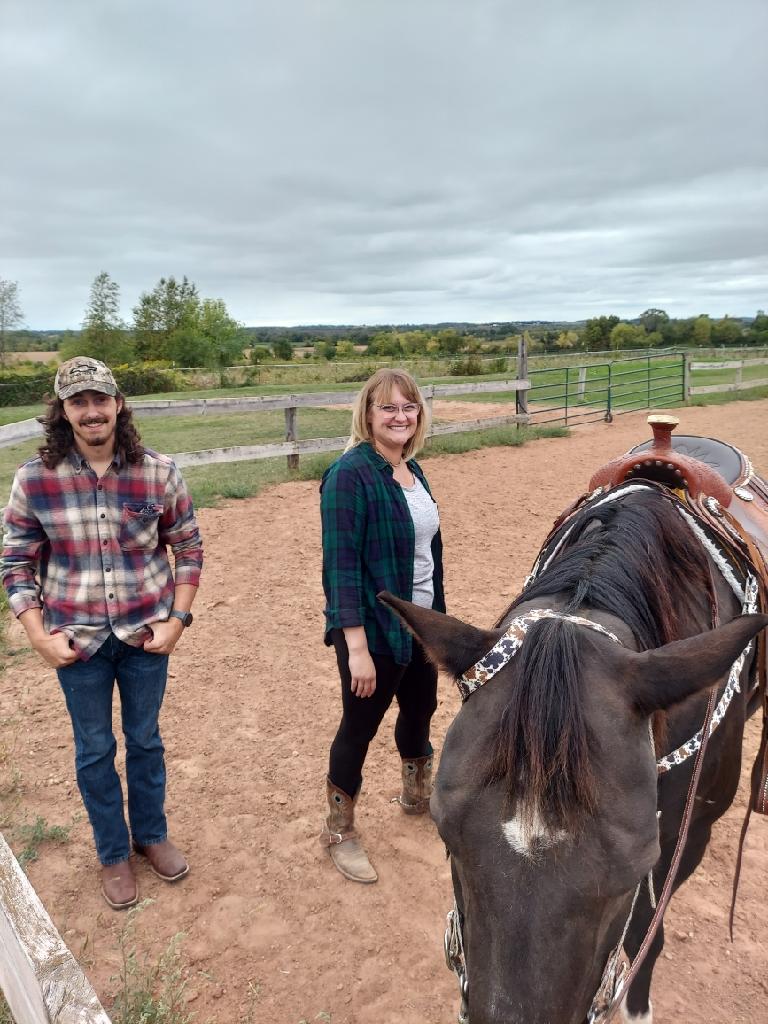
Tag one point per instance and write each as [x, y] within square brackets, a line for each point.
[174, 324]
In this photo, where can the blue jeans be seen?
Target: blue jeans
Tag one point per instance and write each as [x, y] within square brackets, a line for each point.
[88, 687]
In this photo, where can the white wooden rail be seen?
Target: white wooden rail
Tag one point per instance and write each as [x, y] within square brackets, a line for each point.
[14, 433]
[40, 979]
[738, 383]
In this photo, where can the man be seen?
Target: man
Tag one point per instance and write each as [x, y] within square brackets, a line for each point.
[87, 573]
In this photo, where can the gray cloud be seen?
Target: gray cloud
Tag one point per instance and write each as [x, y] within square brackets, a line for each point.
[352, 161]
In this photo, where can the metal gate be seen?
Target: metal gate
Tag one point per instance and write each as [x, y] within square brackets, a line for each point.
[595, 391]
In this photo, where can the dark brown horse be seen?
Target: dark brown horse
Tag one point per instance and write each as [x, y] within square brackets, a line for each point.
[553, 797]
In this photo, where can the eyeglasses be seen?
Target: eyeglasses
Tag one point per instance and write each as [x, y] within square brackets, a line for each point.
[410, 408]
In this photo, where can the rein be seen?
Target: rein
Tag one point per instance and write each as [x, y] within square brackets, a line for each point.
[617, 974]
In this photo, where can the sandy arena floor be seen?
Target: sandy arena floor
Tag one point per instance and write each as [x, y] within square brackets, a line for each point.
[272, 933]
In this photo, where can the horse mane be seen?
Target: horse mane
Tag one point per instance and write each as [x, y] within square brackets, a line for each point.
[633, 558]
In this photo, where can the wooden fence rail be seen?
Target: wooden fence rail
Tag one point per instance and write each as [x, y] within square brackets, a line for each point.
[40, 979]
[738, 383]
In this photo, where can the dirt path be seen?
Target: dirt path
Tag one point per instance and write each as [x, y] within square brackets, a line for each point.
[273, 933]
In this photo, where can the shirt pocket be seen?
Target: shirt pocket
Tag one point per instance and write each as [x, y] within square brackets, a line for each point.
[139, 526]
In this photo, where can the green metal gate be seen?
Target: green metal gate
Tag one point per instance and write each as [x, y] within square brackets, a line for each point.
[595, 391]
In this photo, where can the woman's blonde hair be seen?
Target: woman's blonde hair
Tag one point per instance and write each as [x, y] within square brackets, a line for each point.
[378, 389]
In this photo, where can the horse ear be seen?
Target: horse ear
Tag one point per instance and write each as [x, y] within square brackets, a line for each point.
[667, 675]
[452, 644]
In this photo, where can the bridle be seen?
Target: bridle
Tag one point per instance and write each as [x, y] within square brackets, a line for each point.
[618, 973]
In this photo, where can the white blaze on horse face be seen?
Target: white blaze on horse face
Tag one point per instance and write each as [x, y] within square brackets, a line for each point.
[528, 839]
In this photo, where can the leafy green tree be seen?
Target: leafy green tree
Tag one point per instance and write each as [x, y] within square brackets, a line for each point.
[758, 329]
[282, 350]
[654, 340]
[103, 335]
[170, 307]
[326, 349]
[653, 319]
[258, 354]
[413, 343]
[386, 343]
[702, 331]
[567, 339]
[11, 315]
[625, 335]
[727, 331]
[450, 341]
[224, 335]
[596, 336]
[344, 350]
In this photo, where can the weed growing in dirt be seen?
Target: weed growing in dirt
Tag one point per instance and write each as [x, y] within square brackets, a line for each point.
[33, 836]
[151, 991]
[5, 1013]
[10, 775]
[324, 1017]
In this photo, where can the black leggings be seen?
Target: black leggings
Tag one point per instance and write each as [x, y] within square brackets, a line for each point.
[414, 685]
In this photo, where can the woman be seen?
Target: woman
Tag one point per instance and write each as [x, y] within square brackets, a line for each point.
[381, 531]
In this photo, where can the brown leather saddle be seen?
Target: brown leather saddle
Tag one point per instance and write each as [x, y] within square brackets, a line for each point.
[719, 484]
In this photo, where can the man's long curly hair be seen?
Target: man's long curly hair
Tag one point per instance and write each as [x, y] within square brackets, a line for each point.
[59, 439]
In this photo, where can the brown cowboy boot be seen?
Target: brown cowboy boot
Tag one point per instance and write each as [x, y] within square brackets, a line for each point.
[340, 837]
[118, 885]
[417, 784]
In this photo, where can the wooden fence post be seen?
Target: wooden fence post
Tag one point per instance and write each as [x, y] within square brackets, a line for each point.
[521, 397]
[686, 376]
[40, 979]
[582, 385]
[291, 434]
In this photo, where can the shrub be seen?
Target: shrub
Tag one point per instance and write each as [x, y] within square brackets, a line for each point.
[471, 366]
[25, 389]
[147, 379]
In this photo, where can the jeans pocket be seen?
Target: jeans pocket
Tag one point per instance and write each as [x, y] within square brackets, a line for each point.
[139, 527]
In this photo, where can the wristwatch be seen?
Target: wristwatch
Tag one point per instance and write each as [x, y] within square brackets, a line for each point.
[183, 617]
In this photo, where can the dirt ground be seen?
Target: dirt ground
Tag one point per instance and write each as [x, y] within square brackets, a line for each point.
[272, 932]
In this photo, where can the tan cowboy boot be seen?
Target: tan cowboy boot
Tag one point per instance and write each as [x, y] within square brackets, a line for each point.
[340, 837]
[417, 784]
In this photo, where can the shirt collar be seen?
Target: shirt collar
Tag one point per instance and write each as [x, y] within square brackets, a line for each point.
[79, 462]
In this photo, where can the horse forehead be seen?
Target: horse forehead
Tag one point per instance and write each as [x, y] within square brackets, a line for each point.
[530, 837]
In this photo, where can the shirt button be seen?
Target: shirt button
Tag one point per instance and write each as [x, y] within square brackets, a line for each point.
[105, 542]
[108, 569]
[103, 515]
[111, 596]
[99, 487]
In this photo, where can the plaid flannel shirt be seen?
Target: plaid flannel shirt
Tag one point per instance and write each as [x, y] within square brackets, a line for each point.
[92, 551]
[368, 546]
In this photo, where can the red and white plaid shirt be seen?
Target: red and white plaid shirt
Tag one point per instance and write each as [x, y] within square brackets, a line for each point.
[92, 551]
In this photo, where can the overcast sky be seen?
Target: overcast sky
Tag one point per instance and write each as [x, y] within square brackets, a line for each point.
[387, 161]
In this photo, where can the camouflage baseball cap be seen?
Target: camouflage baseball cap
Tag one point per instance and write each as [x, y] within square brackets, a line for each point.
[83, 374]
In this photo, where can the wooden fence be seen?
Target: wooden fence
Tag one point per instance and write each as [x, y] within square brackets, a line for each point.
[40, 979]
[738, 384]
[293, 446]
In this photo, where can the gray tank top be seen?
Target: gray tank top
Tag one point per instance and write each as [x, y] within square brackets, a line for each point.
[426, 522]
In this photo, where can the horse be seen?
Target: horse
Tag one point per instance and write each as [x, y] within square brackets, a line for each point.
[563, 780]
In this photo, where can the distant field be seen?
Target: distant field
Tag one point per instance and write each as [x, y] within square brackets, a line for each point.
[31, 357]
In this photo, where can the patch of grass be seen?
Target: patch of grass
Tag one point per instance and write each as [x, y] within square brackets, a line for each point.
[35, 835]
[210, 484]
[152, 991]
[495, 437]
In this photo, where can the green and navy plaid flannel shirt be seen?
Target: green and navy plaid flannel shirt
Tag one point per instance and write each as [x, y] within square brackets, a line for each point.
[368, 546]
